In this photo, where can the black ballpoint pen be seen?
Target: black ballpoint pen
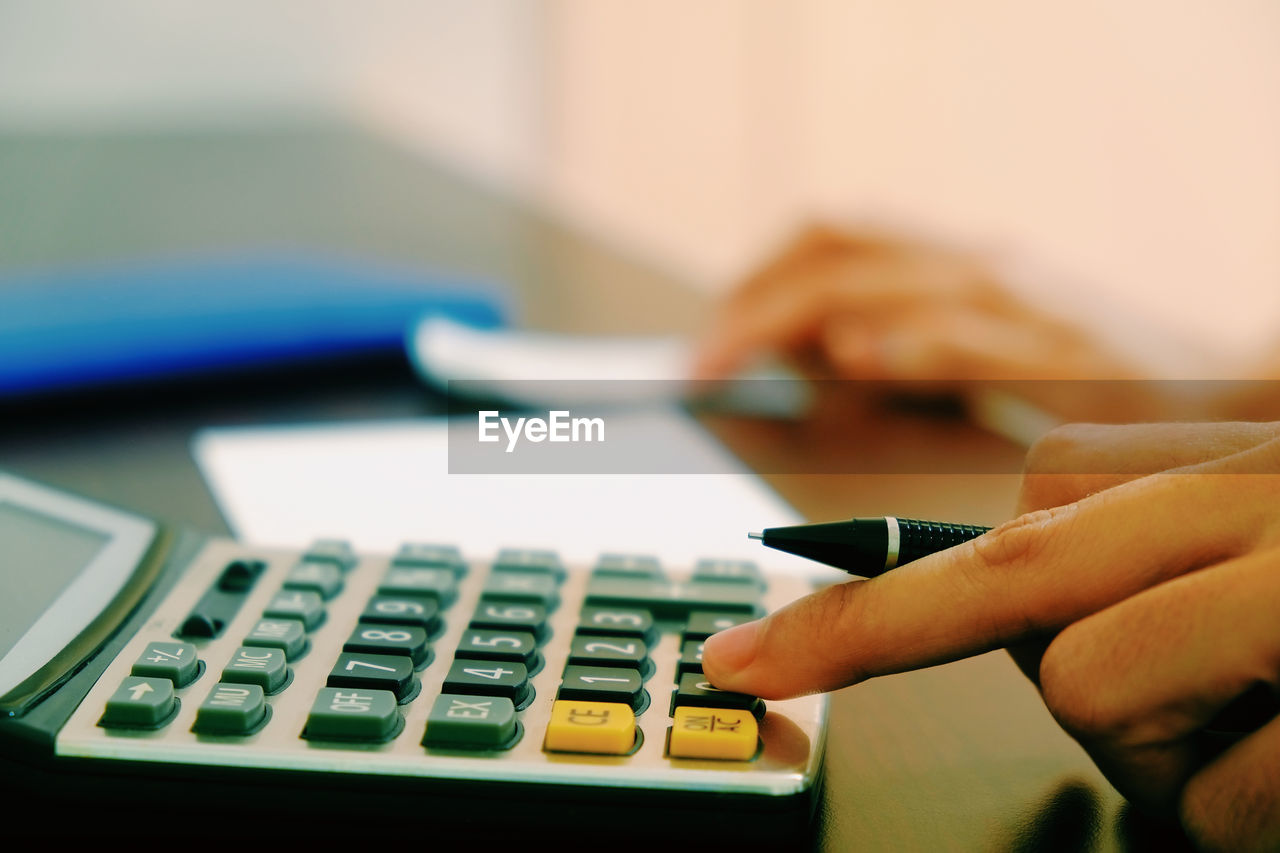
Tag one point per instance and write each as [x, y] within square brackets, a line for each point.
[868, 546]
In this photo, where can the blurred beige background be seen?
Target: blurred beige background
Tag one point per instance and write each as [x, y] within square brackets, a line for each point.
[1130, 150]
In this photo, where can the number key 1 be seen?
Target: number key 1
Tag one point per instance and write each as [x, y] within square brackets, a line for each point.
[604, 684]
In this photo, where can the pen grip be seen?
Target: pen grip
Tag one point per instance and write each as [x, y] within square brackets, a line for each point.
[918, 538]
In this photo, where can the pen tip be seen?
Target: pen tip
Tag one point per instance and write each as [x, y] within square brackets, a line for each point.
[754, 535]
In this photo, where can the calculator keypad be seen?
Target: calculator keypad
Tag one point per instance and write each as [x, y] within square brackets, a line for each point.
[422, 659]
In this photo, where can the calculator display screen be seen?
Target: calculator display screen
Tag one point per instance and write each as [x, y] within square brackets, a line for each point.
[63, 560]
[41, 555]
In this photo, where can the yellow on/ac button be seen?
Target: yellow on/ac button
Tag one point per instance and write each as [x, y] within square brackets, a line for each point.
[713, 733]
[607, 728]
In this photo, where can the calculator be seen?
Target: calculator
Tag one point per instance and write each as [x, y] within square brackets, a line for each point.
[154, 680]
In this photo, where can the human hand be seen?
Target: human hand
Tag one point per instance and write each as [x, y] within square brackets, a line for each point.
[872, 306]
[1139, 590]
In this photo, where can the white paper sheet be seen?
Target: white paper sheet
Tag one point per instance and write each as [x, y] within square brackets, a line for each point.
[548, 369]
[384, 483]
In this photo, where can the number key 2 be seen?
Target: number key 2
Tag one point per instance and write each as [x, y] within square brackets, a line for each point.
[608, 651]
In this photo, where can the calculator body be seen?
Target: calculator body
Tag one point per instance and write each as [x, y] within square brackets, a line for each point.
[173, 678]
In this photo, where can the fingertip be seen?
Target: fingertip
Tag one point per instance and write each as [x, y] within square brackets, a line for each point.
[727, 654]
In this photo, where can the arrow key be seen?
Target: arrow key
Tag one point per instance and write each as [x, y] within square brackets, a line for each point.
[141, 702]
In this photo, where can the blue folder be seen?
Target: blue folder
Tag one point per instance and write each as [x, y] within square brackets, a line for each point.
[62, 329]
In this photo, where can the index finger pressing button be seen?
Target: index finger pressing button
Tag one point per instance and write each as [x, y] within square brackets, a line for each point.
[696, 691]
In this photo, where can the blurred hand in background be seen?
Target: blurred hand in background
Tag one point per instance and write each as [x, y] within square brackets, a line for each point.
[864, 305]
[845, 304]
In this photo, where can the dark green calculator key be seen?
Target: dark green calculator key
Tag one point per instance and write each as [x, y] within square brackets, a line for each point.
[729, 571]
[486, 644]
[265, 667]
[374, 672]
[512, 616]
[490, 678]
[325, 579]
[695, 690]
[287, 635]
[241, 575]
[431, 556]
[587, 650]
[141, 701]
[174, 661]
[671, 599]
[336, 552]
[529, 560]
[629, 566]
[702, 624]
[471, 722]
[407, 640]
[404, 610]
[603, 684]
[231, 709]
[438, 583]
[690, 657]
[531, 587]
[304, 605]
[618, 622]
[341, 713]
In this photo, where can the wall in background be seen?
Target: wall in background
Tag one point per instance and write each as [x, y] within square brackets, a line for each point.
[1130, 146]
